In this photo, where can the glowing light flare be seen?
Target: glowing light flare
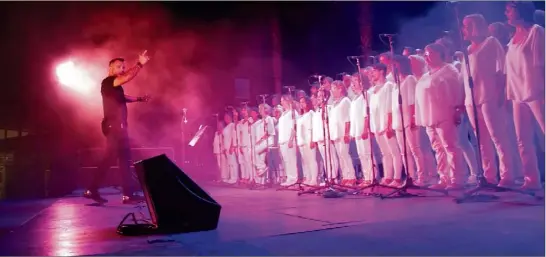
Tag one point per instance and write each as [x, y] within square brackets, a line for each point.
[73, 77]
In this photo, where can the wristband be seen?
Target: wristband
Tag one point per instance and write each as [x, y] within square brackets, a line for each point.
[140, 65]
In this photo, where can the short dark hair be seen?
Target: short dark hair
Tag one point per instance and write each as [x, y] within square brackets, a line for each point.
[410, 50]
[308, 102]
[387, 55]
[525, 9]
[115, 60]
[538, 16]
[381, 67]
[404, 64]
[439, 48]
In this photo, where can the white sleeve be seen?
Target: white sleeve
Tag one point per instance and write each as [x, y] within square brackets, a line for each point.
[537, 47]
[345, 110]
[500, 56]
[409, 91]
[387, 95]
[228, 137]
[309, 123]
[235, 133]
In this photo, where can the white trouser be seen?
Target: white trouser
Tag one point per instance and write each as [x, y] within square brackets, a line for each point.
[290, 162]
[232, 173]
[245, 161]
[392, 159]
[365, 156]
[493, 132]
[420, 158]
[330, 161]
[524, 116]
[444, 139]
[309, 164]
[275, 163]
[469, 152]
[512, 142]
[431, 172]
[219, 160]
[260, 164]
[345, 160]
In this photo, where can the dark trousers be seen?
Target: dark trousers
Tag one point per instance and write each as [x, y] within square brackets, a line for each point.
[117, 148]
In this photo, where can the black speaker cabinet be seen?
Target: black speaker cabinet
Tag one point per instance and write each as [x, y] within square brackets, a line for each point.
[176, 203]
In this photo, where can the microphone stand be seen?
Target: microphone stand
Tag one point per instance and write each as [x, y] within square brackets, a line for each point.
[235, 123]
[183, 127]
[375, 183]
[330, 188]
[403, 191]
[250, 175]
[220, 145]
[482, 185]
[295, 144]
[266, 136]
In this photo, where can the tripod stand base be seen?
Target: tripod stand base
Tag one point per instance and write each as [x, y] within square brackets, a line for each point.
[328, 190]
[375, 184]
[403, 193]
[473, 194]
[291, 187]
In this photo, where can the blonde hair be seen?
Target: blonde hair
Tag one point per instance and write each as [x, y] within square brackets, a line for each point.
[479, 25]
[339, 83]
[419, 59]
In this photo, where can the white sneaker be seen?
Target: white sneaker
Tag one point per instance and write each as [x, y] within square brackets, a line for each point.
[472, 180]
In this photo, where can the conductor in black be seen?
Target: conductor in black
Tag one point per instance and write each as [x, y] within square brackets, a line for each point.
[114, 128]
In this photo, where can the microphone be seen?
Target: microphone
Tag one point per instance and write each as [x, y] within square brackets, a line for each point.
[244, 103]
[315, 76]
[215, 114]
[388, 35]
[356, 57]
[184, 110]
[290, 88]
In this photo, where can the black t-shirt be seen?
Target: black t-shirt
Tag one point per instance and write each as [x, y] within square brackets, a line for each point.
[113, 102]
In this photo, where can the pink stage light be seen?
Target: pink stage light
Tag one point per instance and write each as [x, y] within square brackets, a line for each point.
[70, 76]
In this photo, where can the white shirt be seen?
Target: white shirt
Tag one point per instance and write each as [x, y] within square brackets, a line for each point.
[304, 130]
[339, 116]
[318, 126]
[357, 116]
[286, 126]
[216, 143]
[380, 106]
[437, 95]
[486, 62]
[243, 133]
[525, 68]
[407, 89]
[258, 131]
[228, 134]
[390, 77]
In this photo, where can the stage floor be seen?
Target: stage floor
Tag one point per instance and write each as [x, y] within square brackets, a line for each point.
[270, 222]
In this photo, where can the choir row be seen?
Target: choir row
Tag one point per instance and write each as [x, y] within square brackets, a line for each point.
[416, 106]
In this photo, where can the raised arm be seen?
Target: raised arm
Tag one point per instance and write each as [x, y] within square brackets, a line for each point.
[132, 72]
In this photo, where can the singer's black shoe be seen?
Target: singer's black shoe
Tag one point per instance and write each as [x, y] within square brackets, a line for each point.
[132, 199]
[95, 196]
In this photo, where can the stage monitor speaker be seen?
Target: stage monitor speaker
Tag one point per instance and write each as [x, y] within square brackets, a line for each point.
[176, 203]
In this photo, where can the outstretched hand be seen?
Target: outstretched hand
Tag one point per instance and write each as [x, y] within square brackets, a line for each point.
[144, 98]
[143, 58]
